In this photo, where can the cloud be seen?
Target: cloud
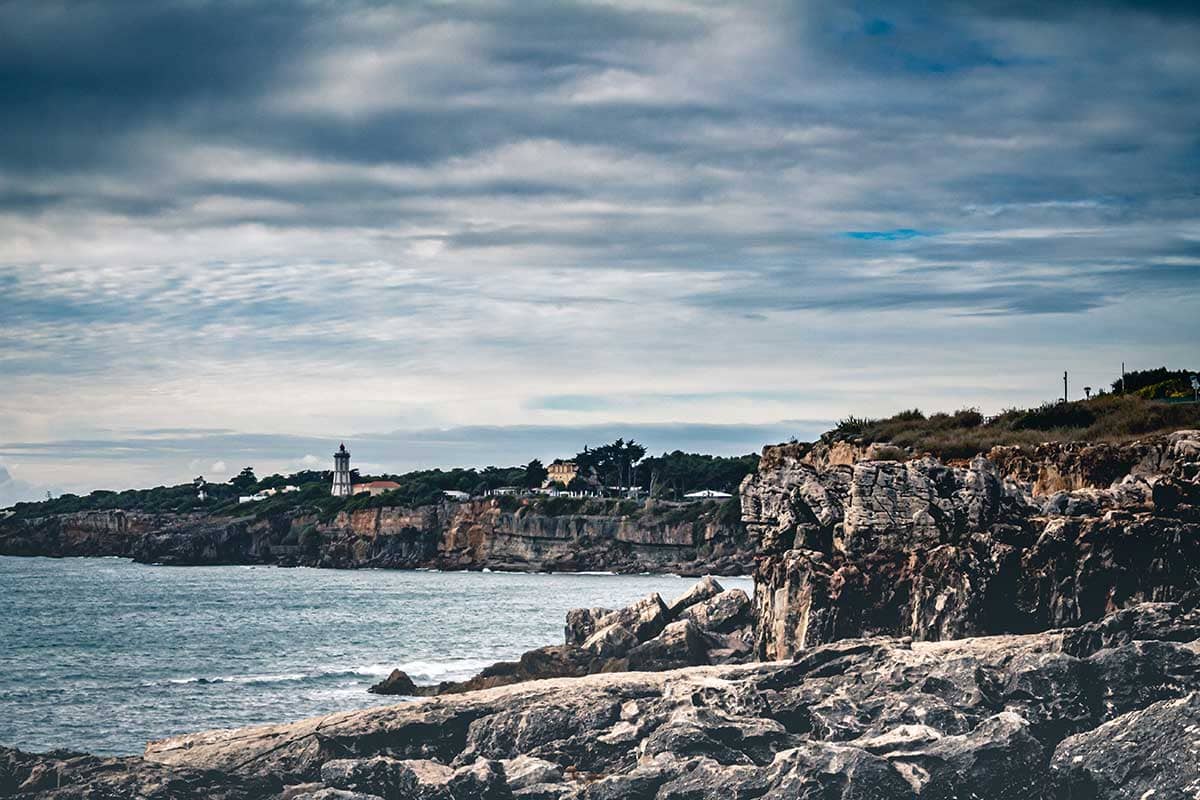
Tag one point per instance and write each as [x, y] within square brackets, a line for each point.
[218, 468]
[13, 490]
[311, 461]
[225, 217]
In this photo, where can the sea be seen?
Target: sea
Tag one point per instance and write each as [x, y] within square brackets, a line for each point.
[103, 655]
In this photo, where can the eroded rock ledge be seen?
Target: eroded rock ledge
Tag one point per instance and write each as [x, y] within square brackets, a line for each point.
[1105, 710]
[1017, 541]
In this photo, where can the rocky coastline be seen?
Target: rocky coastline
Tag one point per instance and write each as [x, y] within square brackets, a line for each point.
[1023, 624]
[705, 625]
[476, 534]
[1103, 710]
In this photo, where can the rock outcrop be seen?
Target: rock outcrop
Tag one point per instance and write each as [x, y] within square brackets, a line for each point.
[706, 625]
[451, 535]
[1013, 542]
[1105, 710]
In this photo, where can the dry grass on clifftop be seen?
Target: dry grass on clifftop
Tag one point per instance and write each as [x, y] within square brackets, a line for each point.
[1107, 418]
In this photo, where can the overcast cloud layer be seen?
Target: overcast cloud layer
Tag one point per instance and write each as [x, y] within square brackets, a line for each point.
[272, 225]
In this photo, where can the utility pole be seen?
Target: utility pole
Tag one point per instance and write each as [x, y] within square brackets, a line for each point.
[1064, 386]
[1122, 377]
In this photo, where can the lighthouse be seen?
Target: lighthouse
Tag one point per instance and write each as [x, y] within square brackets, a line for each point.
[341, 472]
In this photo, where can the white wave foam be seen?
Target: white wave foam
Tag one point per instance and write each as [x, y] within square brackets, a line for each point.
[279, 678]
[365, 670]
[429, 671]
[332, 671]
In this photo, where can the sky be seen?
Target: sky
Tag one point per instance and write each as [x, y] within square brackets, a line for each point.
[237, 233]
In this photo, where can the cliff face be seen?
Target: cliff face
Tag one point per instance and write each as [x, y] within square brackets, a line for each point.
[1016, 541]
[469, 535]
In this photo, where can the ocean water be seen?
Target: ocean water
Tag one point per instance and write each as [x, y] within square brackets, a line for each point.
[103, 655]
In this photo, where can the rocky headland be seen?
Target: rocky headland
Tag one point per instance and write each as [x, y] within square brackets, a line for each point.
[690, 540]
[1022, 624]
[873, 541]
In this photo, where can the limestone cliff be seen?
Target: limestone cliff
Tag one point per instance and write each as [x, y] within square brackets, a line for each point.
[469, 535]
[1014, 541]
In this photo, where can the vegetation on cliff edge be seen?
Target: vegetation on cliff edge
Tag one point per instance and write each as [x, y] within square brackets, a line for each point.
[965, 433]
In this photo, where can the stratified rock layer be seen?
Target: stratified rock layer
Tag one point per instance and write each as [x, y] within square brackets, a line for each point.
[1017, 541]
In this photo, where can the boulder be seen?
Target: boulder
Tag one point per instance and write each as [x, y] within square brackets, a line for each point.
[700, 591]
[681, 644]
[722, 613]
[1148, 753]
[1000, 760]
[581, 623]
[397, 682]
[826, 769]
[611, 641]
[643, 619]
[482, 780]
[525, 771]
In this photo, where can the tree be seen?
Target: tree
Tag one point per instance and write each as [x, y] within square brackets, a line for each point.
[613, 464]
[244, 479]
[676, 473]
[535, 474]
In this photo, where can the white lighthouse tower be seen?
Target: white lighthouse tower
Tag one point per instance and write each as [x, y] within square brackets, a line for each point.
[341, 472]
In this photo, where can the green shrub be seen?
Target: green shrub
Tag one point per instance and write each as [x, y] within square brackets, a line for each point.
[1055, 415]
[850, 427]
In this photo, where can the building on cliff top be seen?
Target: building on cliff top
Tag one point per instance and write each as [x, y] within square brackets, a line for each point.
[560, 471]
[373, 488]
[705, 494]
[341, 472]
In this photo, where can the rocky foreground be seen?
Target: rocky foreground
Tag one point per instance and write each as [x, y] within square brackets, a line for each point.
[1106, 710]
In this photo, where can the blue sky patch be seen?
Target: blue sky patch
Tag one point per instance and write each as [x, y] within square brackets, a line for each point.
[895, 235]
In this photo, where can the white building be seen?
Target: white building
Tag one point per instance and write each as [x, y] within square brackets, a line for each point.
[341, 473]
[708, 494]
